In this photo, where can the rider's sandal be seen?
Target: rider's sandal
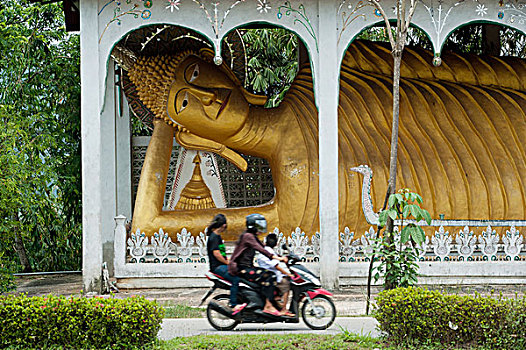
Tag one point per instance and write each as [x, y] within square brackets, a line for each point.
[238, 308]
[273, 313]
[288, 314]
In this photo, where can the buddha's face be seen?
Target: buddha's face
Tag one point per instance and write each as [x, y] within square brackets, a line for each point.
[206, 101]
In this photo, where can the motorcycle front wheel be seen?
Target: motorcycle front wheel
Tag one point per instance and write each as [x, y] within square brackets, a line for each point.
[320, 313]
[217, 320]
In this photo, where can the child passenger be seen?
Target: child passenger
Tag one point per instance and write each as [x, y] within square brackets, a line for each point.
[274, 266]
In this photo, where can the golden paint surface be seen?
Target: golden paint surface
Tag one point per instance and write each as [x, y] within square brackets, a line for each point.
[462, 128]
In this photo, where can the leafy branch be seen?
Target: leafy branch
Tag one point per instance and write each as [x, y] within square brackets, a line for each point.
[398, 263]
[403, 206]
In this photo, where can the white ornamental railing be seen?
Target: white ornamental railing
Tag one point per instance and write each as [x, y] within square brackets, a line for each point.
[460, 245]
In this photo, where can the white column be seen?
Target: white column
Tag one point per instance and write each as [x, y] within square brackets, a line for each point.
[124, 166]
[108, 159]
[91, 147]
[118, 162]
[119, 258]
[327, 101]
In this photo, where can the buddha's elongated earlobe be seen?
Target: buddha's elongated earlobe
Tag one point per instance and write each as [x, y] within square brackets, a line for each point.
[253, 99]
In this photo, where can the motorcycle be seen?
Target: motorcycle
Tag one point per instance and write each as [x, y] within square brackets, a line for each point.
[317, 311]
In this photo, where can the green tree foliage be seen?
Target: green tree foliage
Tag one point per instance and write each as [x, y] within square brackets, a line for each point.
[272, 62]
[513, 43]
[404, 206]
[6, 275]
[415, 36]
[40, 185]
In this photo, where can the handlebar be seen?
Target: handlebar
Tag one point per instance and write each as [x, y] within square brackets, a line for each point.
[292, 258]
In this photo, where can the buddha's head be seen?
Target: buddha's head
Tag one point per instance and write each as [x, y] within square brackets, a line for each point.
[193, 94]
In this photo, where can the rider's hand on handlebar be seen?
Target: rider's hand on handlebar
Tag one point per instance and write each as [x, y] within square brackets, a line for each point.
[280, 258]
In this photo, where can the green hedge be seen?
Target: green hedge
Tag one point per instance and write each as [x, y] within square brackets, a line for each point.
[37, 322]
[416, 315]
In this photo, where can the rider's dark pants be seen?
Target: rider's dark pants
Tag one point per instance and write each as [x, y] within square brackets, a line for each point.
[222, 271]
[265, 278]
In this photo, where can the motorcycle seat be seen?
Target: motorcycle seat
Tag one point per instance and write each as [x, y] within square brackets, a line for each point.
[211, 276]
[252, 285]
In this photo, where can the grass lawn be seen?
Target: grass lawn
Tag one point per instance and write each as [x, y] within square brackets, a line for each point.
[269, 341]
[182, 311]
[345, 340]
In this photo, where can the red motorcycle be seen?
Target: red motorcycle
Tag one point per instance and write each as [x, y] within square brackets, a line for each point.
[317, 308]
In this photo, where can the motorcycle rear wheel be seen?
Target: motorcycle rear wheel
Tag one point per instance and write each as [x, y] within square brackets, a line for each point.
[217, 320]
[321, 314]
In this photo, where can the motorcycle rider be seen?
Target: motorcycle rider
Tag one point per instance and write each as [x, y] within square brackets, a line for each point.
[218, 260]
[241, 262]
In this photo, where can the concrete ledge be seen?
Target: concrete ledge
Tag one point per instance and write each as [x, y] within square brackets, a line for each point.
[351, 274]
[160, 282]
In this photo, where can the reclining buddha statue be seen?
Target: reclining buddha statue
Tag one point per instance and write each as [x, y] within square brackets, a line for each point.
[462, 134]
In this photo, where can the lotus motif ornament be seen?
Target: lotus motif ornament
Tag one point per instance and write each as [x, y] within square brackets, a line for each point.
[348, 247]
[186, 240]
[137, 245]
[298, 242]
[368, 241]
[161, 245]
[201, 241]
[512, 243]
[442, 244]
[466, 243]
[488, 243]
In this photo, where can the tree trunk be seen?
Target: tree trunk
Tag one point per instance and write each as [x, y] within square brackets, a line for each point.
[491, 39]
[22, 255]
[21, 251]
[369, 277]
[373, 257]
[397, 56]
[397, 44]
[396, 116]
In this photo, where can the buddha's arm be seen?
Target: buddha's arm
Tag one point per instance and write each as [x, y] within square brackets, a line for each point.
[152, 184]
[148, 214]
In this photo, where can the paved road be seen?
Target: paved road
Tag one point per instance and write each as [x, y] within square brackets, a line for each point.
[185, 327]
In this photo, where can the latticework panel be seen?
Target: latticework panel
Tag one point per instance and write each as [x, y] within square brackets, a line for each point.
[139, 147]
[242, 189]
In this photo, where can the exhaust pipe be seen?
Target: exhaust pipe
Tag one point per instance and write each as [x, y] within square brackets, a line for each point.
[216, 307]
[207, 295]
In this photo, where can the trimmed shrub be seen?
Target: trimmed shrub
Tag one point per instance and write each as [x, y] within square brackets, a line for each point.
[410, 315]
[38, 322]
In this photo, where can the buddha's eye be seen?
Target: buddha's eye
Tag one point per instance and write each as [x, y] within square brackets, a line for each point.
[195, 73]
[184, 103]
